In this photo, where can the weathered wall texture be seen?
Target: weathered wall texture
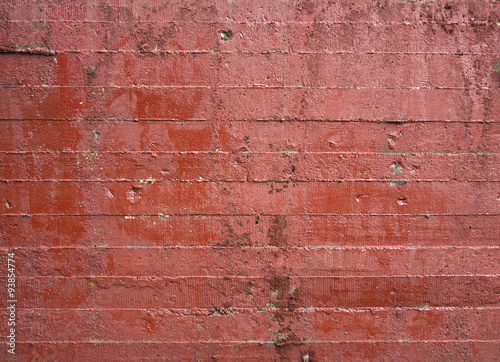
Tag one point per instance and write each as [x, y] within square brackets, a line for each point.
[273, 180]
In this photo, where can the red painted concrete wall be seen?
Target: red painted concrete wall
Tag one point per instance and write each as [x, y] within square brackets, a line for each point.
[261, 180]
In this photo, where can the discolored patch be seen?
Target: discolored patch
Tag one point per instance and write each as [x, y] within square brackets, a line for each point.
[276, 232]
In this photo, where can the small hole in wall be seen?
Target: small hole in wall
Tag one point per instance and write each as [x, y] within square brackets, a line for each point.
[226, 35]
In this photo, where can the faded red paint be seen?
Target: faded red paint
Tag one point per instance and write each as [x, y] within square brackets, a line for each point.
[274, 180]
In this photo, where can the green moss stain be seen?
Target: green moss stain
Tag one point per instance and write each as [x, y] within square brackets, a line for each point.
[226, 35]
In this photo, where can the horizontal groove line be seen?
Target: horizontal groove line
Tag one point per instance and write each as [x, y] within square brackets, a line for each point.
[238, 153]
[290, 51]
[217, 87]
[289, 274]
[279, 22]
[192, 311]
[245, 247]
[245, 181]
[131, 216]
[386, 52]
[283, 52]
[219, 247]
[273, 120]
[272, 342]
[155, 277]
